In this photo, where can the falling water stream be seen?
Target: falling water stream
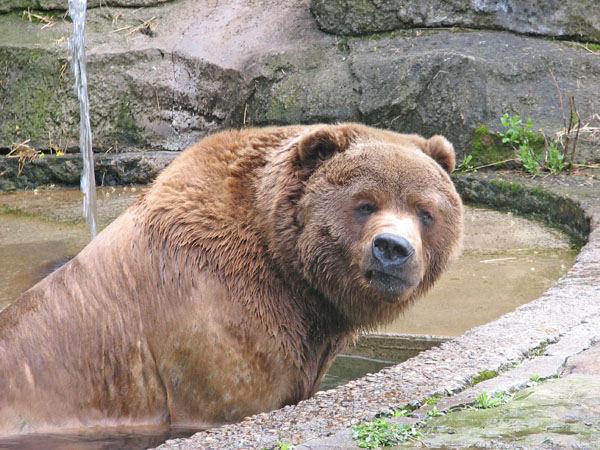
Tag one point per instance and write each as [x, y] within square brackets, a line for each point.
[77, 11]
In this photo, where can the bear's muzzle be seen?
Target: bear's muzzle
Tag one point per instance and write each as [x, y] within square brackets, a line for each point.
[392, 270]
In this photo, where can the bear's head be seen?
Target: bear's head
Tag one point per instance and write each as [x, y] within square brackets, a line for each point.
[369, 218]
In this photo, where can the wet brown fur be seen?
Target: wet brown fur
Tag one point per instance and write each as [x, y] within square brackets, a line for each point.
[228, 288]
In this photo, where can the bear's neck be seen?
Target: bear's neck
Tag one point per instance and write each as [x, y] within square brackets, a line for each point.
[220, 228]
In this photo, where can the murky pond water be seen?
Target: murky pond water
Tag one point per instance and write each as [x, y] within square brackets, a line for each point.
[39, 229]
[125, 440]
[506, 261]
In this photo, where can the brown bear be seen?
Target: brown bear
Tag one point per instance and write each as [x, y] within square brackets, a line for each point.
[230, 285]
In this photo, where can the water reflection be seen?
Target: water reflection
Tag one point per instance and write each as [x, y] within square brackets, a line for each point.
[113, 440]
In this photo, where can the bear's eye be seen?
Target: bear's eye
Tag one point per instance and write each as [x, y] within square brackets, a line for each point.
[366, 209]
[425, 217]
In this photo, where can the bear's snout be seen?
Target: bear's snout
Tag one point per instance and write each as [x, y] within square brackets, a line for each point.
[390, 265]
[390, 250]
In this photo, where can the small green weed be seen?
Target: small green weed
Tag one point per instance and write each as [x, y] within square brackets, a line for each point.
[555, 159]
[518, 136]
[533, 380]
[283, 446]
[515, 134]
[435, 413]
[380, 433]
[485, 400]
[539, 350]
[432, 400]
[465, 165]
[342, 44]
[393, 412]
[484, 375]
[530, 161]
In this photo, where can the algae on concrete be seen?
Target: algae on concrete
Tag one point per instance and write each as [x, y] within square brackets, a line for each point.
[556, 210]
[558, 413]
[37, 104]
[487, 148]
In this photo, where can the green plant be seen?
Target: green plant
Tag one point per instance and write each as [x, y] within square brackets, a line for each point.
[538, 350]
[342, 44]
[435, 413]
[380, 433]
[518, 136]
[465, 165]
[534, 378]
[515, 134]
[485, 400]
[432, 400]
[483, 375]
[530, 161]
[393, 412]
[555, 159]
[283, 446]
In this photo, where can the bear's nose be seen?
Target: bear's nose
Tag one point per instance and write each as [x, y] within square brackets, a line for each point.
[390, 249]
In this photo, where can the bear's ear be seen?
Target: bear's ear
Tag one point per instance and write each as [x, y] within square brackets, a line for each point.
[442, 151]
[320, 144]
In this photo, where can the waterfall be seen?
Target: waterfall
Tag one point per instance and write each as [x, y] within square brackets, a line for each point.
[77, 11]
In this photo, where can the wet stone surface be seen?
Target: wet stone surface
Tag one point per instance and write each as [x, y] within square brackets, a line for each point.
[561, 413]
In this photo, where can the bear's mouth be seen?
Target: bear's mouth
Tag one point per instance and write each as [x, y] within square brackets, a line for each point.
[392, 286]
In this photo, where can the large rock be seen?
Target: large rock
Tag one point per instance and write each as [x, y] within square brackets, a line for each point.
[450, 83]
[436, 82]
[189, 71]
[194, 69]
[574, 19]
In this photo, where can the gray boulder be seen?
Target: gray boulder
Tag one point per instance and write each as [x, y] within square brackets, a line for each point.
[435, 82]
[573, 19]
[450, 83]
[162, 77]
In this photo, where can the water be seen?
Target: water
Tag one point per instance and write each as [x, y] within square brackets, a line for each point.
[346, 368]
[77, 11]
[136, 439]
[51, 231]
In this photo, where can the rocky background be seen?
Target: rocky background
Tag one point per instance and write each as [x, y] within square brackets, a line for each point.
[164, 74]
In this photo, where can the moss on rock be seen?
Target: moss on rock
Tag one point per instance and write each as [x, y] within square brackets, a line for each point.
[487, 147]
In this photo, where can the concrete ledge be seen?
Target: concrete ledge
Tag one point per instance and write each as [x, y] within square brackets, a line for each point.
[111, 169]
[392, 347]
[566, 317]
